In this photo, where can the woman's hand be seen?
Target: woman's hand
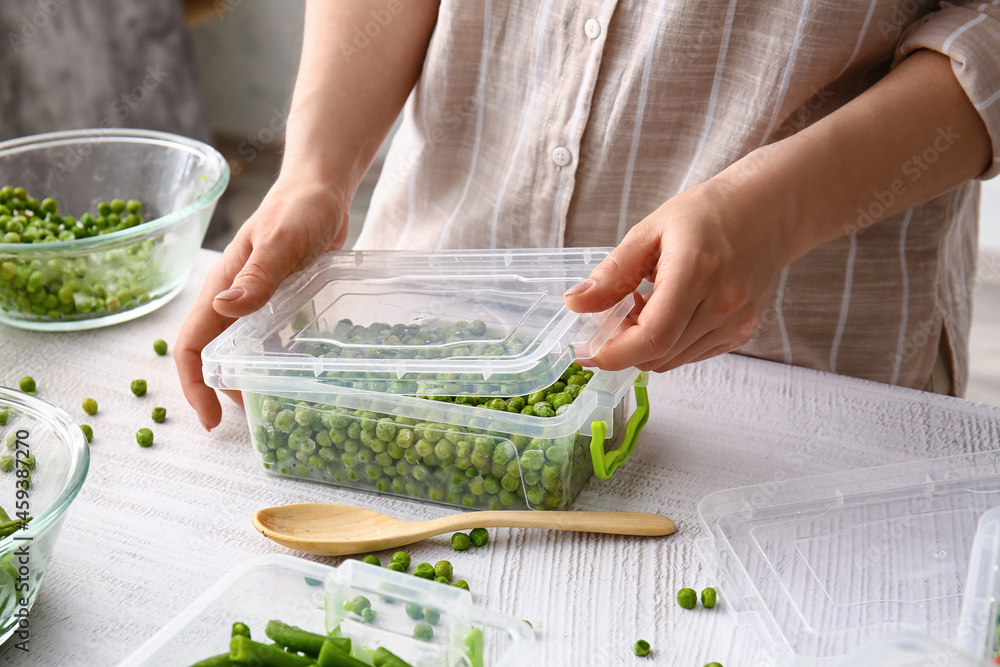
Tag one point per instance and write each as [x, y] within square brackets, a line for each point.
[714, 271]
[294, 225]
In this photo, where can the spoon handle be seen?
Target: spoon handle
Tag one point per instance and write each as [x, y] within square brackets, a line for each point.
[615, 523]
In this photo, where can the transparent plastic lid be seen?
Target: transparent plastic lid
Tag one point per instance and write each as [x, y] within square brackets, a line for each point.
[444, 323]
[979, 628]
[822, 565]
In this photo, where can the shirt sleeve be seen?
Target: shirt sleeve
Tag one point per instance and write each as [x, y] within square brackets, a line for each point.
[969, 34]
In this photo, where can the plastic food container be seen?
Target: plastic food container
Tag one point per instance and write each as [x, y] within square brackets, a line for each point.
[822, 565]
[61, 459]
[979, 627]
[110, 278]
[311, 596]
[338, 368]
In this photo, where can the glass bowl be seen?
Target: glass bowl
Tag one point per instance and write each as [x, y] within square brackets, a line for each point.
[61, 458]
[102, 280]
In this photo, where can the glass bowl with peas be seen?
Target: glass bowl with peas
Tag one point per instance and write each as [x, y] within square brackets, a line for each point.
[43, 463]
[100, 226]
[445, 377]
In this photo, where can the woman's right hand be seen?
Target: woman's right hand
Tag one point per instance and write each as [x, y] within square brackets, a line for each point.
[296, 223]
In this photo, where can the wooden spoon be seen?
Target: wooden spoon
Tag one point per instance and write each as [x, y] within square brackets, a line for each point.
[338, 530]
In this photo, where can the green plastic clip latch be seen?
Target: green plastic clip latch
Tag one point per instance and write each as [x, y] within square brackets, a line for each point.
[605, 463]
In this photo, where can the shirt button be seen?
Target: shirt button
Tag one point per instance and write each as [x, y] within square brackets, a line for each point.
[561, 156]
[592, 28]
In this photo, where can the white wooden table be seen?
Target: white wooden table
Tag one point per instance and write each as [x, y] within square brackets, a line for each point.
[153, 527]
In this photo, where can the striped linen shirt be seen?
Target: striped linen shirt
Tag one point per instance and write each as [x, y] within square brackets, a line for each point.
[547, 123]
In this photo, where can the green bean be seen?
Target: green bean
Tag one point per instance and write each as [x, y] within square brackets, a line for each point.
[245, 650]
[384, 658]
[4, 517]
[641, 648]
[160, 346]
[139, 387]
[687, 598]
[240, 628]
[479, 537]
[293, 638]
[90, 406]
[332, 655]
[221, 660]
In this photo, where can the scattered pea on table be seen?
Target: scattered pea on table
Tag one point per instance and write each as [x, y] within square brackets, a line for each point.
[641, 648]
[444, 569]
[27, 384]
[372, 559]
[460, 583]
[159, 415]
[687, 598]
[138, 387]
[424, 571]
[87, 431]
[90, 406]
[160, 346]
[479, 536]
[403, 559]
[144, 437]
[460, 542]
[708, 598]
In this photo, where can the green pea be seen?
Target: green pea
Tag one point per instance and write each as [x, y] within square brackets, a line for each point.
[395, 567]
[687, 598]
[641, 648]
[27, 384]
[442, 580]
[89, 406]
[444, 569]
[708, 598]
[713, 664]
[87, 431]
[359, 604]
[479, 537]
[432, 616]
[368, 615]
[159, 415]
[414, 611]
[423, 631]
[424, 571]
[372, 559]
[139, 387]
[460, 583]
[144, 437]
[6, 463]
[160, 346]
[460, 542]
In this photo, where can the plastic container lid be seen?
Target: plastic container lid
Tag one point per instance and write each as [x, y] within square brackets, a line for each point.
[445, 323]
[822, 565]
[978, 627]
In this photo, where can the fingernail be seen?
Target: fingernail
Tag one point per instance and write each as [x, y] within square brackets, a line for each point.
[205, 426]
[579, 288]
[230, 294]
